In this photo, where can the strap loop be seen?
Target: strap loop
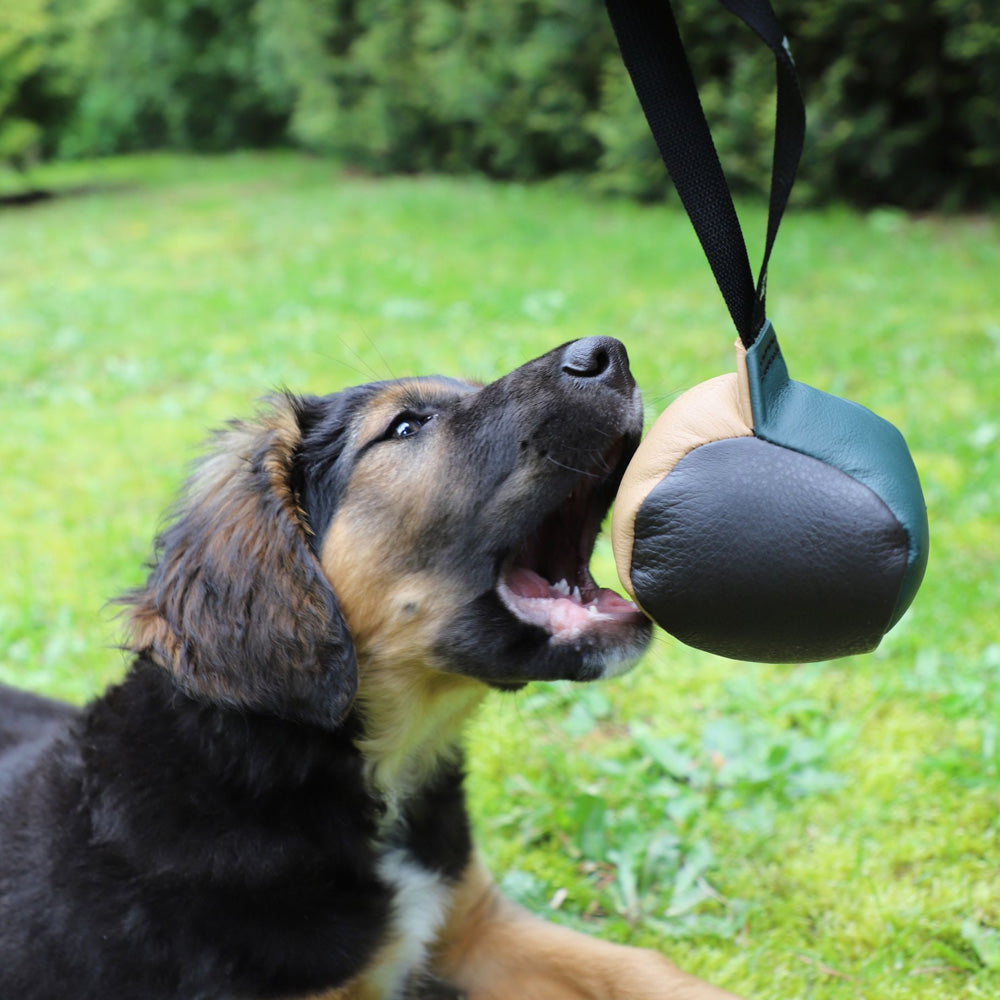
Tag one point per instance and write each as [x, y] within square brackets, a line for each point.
[654, 55]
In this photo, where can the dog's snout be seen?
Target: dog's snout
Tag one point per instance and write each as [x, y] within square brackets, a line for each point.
[602, 359]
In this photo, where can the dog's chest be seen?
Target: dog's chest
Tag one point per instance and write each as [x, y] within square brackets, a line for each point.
[419, 907]
[423, 846]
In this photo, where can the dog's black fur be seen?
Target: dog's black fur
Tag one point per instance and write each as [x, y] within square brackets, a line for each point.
[210, 827]
[146, 826]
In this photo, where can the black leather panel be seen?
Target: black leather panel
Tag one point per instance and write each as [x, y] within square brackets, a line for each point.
[757, 552]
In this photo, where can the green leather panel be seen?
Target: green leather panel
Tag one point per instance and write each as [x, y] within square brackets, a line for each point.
[845, 435]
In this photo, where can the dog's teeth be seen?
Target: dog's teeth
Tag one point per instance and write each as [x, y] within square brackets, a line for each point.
[562, 588]
[577, 595]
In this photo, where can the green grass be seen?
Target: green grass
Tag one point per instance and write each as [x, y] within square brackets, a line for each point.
[824, 831]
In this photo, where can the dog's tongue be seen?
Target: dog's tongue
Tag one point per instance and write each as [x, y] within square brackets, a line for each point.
[559, 609]
[527, 583]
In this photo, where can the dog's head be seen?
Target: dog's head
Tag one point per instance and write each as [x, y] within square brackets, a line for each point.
[428, 522]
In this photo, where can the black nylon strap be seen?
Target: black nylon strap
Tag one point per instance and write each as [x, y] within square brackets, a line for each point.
[654, 55]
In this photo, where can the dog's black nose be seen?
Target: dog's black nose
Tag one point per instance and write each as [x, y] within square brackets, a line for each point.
[600, 358]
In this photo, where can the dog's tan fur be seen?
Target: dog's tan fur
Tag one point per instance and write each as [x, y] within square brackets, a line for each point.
[495, 950]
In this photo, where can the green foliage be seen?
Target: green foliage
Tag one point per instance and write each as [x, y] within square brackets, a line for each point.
[42, 67]
[179, 74]
[904, 99]
[408, 86]
[903, 102]
[21, 53]
[634, 828]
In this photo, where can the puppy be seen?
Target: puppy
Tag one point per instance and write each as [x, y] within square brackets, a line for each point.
[270, 803]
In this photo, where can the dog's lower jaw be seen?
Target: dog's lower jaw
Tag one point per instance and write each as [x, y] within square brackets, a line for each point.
[488, 641]
[605, 664]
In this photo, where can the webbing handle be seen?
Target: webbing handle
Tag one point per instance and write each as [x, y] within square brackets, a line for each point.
[654, 55]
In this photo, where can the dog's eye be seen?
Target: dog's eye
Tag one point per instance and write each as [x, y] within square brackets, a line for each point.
[407, 425]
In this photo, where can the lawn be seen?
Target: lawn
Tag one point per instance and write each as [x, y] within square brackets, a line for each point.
[823, 831]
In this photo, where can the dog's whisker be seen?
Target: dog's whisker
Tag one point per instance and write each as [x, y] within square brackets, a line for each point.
[366, 370]
[389, 373]
[570, 468]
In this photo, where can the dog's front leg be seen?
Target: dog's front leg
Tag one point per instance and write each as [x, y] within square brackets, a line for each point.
[492, 949]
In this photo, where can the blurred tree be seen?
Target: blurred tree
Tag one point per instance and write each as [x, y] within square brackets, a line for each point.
[174, 73]
[42, 64]
[903, 102]
[22, 53]
[440, 84]
[904, 98]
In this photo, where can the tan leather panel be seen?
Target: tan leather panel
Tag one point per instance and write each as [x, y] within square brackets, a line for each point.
[712, 411]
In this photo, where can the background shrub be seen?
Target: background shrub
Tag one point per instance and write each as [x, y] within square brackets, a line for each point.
[903, 102]
[403, 86]
[904, 98]
[44, 57]
[177, 74]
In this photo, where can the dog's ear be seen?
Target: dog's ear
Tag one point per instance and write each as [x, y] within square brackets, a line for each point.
[237, 606]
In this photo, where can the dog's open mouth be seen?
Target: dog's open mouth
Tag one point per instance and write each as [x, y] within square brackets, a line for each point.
[547, 581]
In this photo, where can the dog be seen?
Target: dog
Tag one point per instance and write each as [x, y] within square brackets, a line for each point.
[270, 803]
